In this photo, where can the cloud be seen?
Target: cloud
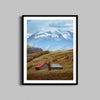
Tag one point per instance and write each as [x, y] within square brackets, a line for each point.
[58, 48]
[34, 26]
[70, 25]
[68, 47]
[60, 24]
[47, 47]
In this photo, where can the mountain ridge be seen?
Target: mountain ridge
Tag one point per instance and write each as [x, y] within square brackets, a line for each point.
[56, 34]
[52, 41]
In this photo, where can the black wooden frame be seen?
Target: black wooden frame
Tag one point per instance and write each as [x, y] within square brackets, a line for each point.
[22, 79]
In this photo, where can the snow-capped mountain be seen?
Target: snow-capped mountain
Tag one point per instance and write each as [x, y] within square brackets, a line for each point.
[55, 35]
[28, 35]
[51, 40]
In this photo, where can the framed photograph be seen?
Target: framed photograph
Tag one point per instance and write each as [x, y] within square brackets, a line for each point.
[50, 49]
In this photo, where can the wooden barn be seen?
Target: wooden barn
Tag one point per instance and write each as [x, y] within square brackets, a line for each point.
[54, 67]
[42, 65]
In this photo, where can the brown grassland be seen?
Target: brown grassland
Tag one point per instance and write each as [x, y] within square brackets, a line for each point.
[64, 58]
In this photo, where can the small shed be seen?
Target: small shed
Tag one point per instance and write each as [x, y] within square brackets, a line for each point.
[55, 66]
[42, 65]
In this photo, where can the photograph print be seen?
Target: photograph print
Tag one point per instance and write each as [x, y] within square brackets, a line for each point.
[50, 49]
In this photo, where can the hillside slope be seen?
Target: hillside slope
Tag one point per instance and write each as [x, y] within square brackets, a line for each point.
[31, 49]
[64, 58]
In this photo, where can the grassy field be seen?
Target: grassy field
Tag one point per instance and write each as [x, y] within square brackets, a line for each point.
[64, 58]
